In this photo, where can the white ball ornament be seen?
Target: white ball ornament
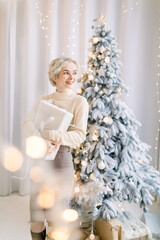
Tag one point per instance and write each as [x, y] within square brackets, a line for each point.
[84, 163]
[107, 60]
[94, 137]
[108, 120]
[95, 40]
[102, 49]
[101, 165]
[92, 177]
[92, 236]
[76, 161]
[107, 189]
[111, 75]
[119, 90]
[90, 77]
[96, 88]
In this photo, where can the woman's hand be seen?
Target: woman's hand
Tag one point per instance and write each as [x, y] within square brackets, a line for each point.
[45, 134]
[51, 147]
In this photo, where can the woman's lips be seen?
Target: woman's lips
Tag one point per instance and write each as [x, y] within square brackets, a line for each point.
[70, 82]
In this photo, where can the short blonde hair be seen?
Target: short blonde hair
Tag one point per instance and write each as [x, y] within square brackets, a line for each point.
[55, 67]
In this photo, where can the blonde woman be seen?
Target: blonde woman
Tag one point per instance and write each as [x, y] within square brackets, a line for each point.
[63, 75]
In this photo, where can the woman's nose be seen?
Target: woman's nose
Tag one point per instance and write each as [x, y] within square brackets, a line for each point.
[71, 76]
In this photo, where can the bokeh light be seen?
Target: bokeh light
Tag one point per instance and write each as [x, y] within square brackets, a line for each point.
[46, 198]
[70, 215]
[36, 147]
[12, 158]
[59, 235]
[37, 174]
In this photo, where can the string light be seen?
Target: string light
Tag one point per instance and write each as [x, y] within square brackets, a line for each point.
[125, 9]
[157, 139]
[44, 18]
[71, 39]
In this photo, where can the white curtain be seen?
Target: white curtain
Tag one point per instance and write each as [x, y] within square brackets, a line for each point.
[33, 32]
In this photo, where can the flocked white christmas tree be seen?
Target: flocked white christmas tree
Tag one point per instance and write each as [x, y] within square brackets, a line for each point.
[112, 164]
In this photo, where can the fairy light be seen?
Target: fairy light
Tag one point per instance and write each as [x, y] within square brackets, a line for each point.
[44, 18]
[125, 9]
[75, 21]
[157, 139]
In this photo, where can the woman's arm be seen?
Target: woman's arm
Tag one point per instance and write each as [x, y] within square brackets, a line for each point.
[78, 133]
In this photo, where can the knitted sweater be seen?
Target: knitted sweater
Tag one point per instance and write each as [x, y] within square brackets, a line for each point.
[73, 103]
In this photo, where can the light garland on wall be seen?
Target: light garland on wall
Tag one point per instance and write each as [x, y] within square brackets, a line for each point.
[71, 39]
[158, 97]
[125, 10]
[44, 18]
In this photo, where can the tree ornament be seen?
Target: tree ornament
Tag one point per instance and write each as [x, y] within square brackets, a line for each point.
[111, 75]
[95, 137]
[77, 189]
[101, 72]
[84, 163]
[119, 90]
[107, 60]
[108, 120]
[101, 165]
[130, 180]
[92, 176]
[92, 236]
[95, 40]
[102, 49]
[107, 189]
[90, 77]
[96, 88]
[76, 161]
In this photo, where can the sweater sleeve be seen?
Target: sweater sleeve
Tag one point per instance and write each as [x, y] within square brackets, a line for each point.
[78, 133]
[28, 125]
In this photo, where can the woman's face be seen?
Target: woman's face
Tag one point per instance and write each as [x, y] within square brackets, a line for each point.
[67, 77]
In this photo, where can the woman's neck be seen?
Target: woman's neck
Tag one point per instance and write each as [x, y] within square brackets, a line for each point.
[63, 90]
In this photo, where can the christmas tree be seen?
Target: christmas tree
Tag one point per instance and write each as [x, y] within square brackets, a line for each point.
[112, 164]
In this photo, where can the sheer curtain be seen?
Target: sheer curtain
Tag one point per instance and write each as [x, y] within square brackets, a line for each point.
[32, 33]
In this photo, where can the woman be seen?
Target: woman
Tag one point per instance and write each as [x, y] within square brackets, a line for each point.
[63, 75]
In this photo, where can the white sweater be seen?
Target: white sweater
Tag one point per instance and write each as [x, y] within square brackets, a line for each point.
[73, 103]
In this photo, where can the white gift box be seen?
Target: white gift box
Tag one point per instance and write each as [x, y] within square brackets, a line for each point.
[133, 228]
[51, 117]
